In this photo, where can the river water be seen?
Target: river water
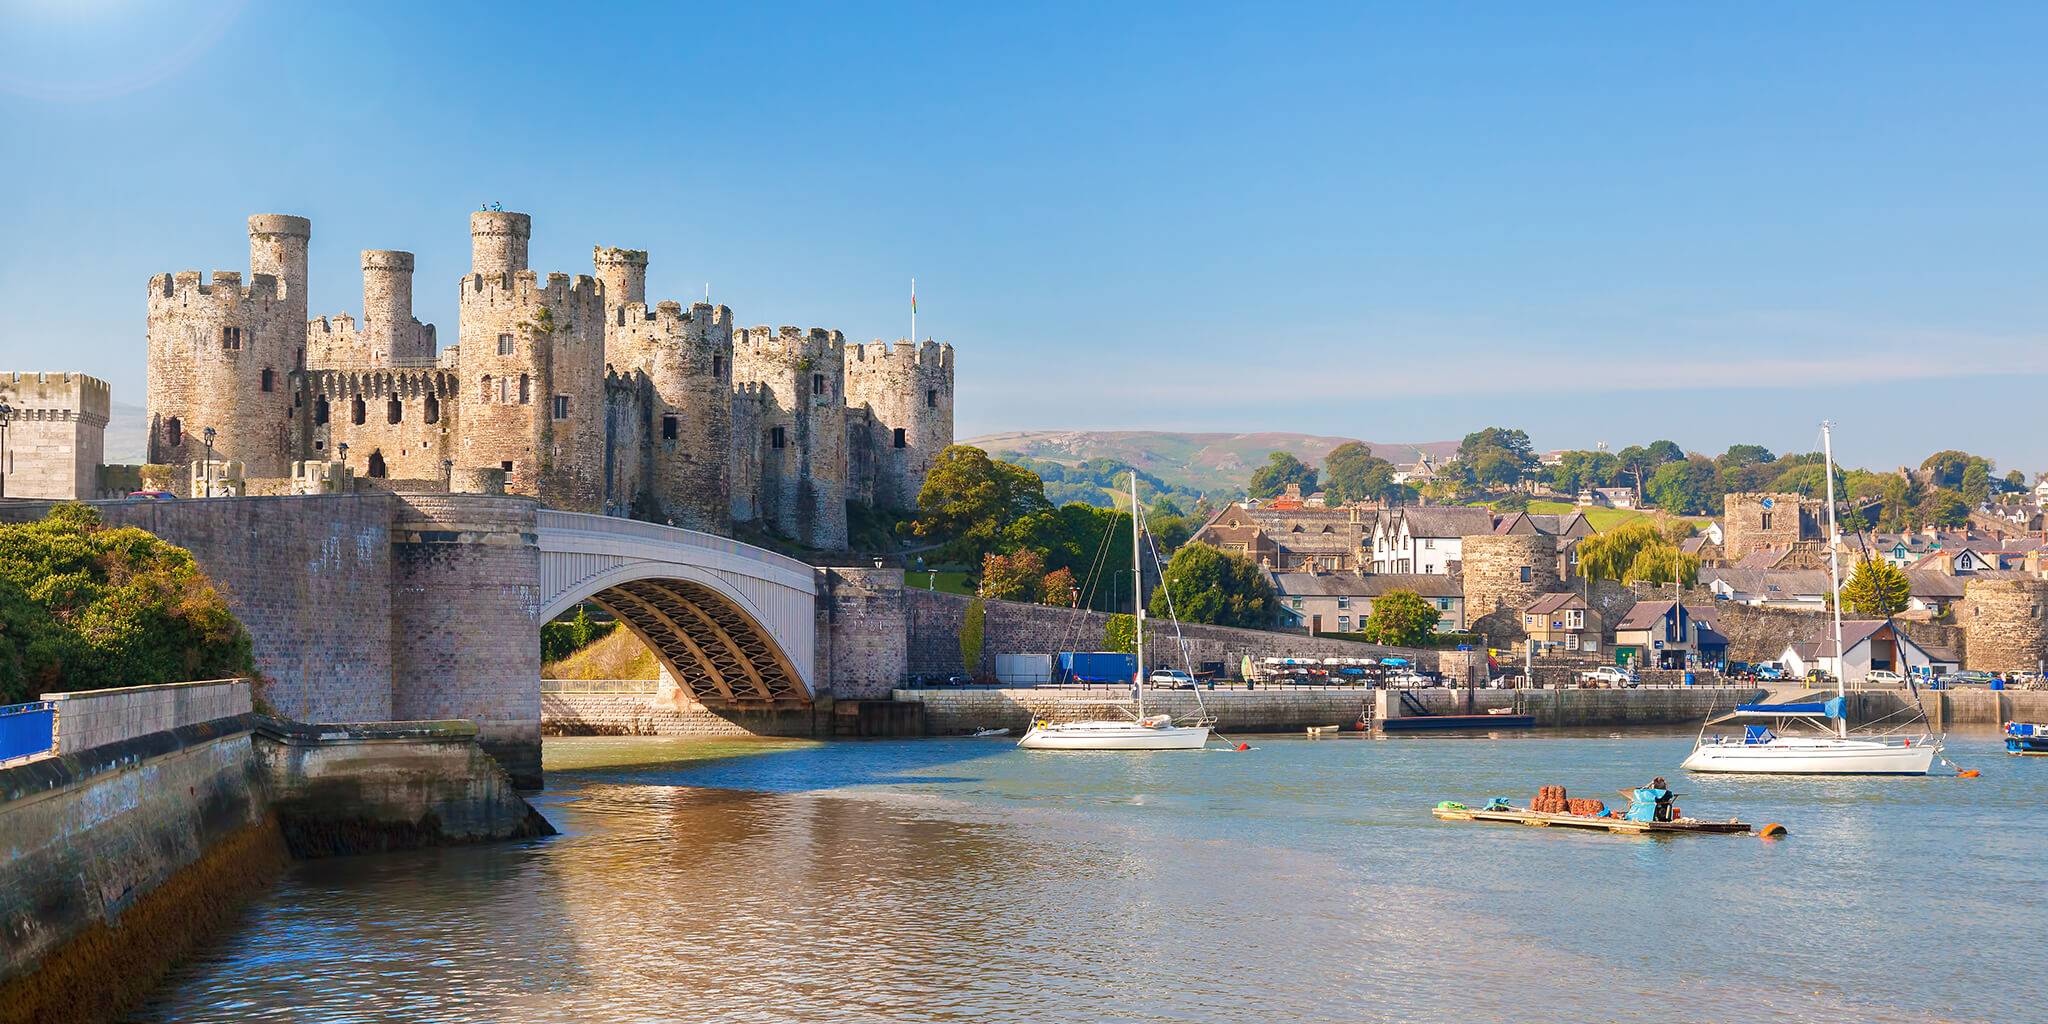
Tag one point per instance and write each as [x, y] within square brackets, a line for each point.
[966, 880]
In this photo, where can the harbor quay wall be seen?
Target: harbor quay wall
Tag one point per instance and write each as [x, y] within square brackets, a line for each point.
[635, 707]
[933, 620]
[118, 857]
[954, 711]
[1971, 710]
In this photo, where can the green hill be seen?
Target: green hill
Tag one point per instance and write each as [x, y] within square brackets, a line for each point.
[1218, 465]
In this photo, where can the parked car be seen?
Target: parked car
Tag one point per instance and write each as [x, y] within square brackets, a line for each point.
[1883, 677]
[1967, 679]
[1171, 679]
[1736, 668]
[153, 495]
[958, 679]
[1609, 675]
[1768, 670]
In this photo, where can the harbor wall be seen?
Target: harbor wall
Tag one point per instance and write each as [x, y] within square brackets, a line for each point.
[635, 707]
[933, 620]
[146, 829]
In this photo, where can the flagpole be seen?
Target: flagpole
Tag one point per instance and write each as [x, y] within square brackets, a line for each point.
[913, 311]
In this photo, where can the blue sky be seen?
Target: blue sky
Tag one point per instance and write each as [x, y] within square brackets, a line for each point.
[1402, 222]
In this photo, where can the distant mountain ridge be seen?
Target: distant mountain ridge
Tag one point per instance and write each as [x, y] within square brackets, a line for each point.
[1216, 464]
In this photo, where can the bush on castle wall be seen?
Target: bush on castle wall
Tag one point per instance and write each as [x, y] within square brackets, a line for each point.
[86, 607]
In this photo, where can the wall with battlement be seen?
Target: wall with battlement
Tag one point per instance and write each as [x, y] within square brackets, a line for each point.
[55, 437]
[397, 424]
[219, 353]
[906, 389]
[590, 397]
[801, 429]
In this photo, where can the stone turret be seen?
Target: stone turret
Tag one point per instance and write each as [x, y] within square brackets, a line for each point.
[2005, 625]
[498, 241]
[1504, 573]
[687, 359]
[908, 391]
[799, 440]
[219, 353]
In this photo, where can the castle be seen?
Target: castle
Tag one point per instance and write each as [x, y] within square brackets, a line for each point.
[581, 393]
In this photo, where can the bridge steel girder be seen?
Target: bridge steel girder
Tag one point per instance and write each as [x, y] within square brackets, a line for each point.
[633, 612]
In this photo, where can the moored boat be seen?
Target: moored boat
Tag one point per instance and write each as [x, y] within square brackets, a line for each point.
[2026, 739]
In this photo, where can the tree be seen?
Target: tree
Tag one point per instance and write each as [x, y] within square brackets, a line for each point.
[1401, 619]
[1976, 486]
[1685, 487]
[969, 500]
[1945, 468]
[85, 607]
[1949, 510]
[1662, 563]
[1216, 587]
[1896, 515]
[1058, 589]
[1497, 456]
[1281, 469]
[970, 636]
[1018, 576]
[2015, 481]
[1351, 472]
[1120, 634]
[1746, 455]
[1614, 555]
[1876, 587]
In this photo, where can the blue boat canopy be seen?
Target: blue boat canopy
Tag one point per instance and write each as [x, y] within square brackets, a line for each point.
[1833, 707]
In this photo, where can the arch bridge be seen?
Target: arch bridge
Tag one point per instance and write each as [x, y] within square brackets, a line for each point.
[734, 625]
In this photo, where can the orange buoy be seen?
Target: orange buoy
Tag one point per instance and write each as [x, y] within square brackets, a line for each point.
[1244, 746]
[1971, 774]
[1771, 832]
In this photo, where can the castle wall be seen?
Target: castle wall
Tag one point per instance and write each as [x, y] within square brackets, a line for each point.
[219, 353]
[2007, 624]
[411, 440]
[55, 439]
[628, 459]
[554, 334]
[688, 361]
[1749, 525]
[908, 388]
[1494, 566]
[803, 479]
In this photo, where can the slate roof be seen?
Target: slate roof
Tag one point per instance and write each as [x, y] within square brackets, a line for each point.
[1551, 602]
[1645, 614]
[1448, 520]
[1423, 584]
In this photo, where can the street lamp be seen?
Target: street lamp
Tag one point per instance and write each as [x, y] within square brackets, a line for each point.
[448, 468]
[342, 450]
[6, 415]
[208, 434]
[1116, 589]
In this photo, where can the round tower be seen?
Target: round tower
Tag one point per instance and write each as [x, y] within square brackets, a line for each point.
[497, 241]
[277, 246]
[623, 272]
[2005, 625]
[387, 305]
[220, 352]
[1504, 573]
[687, 358]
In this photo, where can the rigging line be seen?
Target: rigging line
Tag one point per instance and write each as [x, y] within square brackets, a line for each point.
[1088, 587]
[1187, 662]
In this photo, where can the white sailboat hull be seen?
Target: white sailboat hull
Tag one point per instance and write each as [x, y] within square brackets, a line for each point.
[1114, 736]
[1829, 756]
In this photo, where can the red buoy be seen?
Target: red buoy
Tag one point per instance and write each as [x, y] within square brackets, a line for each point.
[1244, 746]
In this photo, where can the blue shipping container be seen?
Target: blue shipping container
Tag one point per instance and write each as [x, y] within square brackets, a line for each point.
[27, 729]
[1098, 667]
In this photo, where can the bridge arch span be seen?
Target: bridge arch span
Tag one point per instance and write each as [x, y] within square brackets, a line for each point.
[732, 623]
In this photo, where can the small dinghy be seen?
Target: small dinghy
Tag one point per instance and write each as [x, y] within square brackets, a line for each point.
[990, 732]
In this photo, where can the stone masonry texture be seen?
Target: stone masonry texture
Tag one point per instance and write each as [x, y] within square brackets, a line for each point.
[589, 396]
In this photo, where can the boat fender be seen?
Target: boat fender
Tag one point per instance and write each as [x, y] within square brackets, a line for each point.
[1771, 832]
[1970, 774]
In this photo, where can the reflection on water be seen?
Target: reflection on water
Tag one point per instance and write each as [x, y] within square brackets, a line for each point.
[967, 880]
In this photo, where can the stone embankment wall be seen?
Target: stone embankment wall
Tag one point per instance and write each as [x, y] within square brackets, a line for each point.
[934, 620]
[635, 707]
[122, 853]
[952, 712]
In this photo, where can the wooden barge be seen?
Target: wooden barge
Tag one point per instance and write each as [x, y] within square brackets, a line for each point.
[1538, 819]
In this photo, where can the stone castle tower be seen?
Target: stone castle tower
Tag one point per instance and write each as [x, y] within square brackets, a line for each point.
[1753, 521]
[583, 393]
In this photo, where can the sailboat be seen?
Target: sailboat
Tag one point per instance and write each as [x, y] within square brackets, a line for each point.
[1141, 731]
[1831, 750]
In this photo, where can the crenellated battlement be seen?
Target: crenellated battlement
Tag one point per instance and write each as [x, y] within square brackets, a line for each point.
[75, 393]
[791, 343]
[669, 318]
[339, 323]
[879, 355]
[523, 286]
[190, 287]
[402, 383]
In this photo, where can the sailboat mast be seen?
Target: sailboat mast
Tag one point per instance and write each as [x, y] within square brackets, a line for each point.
[1137, 594]
[1827, 446]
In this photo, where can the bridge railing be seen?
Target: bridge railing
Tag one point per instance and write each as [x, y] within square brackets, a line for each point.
[27, 730]
[549, 519]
